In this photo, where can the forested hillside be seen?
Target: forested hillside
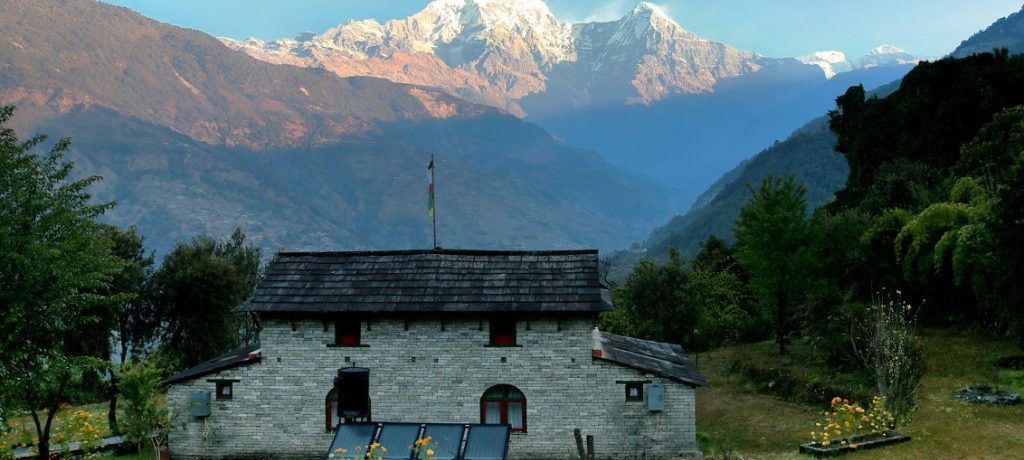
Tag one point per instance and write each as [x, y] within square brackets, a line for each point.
[1006, 33]
[930, 215]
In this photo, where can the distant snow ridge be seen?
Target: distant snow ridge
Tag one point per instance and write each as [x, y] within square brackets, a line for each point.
[886, 55]
[510, 53]
[831, 62]
[835, 62]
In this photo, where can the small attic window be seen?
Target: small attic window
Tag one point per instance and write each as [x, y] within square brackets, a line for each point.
[224, 389]
[634, 391]
[503, 332]
[346, 332]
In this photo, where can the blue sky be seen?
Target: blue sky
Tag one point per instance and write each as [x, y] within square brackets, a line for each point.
[770, 27]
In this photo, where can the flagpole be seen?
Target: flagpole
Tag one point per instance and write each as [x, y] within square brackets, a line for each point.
[434, 184]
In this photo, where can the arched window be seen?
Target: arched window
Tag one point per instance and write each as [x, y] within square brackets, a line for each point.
[333, 420]
[504, 404]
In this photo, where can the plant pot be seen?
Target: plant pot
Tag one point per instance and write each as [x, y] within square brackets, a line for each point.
[865, 441]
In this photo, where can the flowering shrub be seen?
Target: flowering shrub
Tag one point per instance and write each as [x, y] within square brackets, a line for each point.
[892, 353]
[81, 427]
[421, 449]
[844, 421]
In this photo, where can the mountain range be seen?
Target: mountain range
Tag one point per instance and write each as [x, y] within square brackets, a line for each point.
[547, 134]
[642, 91]
[192, 137]
[499, 52]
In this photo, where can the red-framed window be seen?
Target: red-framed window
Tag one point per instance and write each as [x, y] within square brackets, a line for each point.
[503, 332]
[504, 404]
[346, 332]
[333, 420]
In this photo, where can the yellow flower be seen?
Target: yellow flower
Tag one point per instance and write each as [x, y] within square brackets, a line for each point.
[853, 446]
[430, 452]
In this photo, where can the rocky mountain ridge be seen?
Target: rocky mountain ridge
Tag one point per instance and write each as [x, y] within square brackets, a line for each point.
[498, 52]
[192, 137]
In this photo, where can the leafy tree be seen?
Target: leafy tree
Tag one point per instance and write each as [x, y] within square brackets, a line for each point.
[128, 315]
[195, 291]
[722, 304]
[655, 303]
[772, 240]
[722, 295]
[996, 157]
[837, 276]
[716, 255]
[917, 135]
[945, 249]
[145, 411]
[53, 265]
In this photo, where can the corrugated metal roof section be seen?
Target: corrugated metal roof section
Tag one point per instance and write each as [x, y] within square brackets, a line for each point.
[430, 281]
[482, 442]
[241, 356]
[659, 358]
[487, 442]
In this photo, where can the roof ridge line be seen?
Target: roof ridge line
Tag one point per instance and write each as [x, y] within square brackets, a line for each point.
[485, 252]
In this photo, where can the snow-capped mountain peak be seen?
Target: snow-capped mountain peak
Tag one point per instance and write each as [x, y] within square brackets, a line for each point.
[649, 13]
[498, 52]
[884, 49]
[886, 55]
[831, 62]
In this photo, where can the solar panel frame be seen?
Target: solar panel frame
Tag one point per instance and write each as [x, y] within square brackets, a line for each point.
[443, 451]
[348, 437]
[405, 435]
[490, 433]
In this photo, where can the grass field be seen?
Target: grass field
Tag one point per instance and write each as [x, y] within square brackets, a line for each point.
[24, 430]
[733, 418]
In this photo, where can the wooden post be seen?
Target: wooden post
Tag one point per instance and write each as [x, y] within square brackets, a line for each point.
[579, 443]
[590, 447]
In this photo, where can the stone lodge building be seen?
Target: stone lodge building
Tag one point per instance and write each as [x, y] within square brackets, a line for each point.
[460, 336]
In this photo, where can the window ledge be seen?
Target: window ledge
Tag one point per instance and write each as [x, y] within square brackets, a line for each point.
[334, 345]
[503, 346]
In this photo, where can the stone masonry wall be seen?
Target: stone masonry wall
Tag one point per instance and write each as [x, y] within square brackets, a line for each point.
[433, 373]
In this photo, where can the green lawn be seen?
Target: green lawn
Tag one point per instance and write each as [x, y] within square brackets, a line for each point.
[735, 417]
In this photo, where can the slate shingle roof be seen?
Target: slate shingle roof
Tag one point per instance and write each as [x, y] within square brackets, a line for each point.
[430, 281]
[659, 358]
[241, 356]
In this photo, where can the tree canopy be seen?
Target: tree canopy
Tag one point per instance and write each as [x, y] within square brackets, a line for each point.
[772, 244]
[54, 269]
[195, 291]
